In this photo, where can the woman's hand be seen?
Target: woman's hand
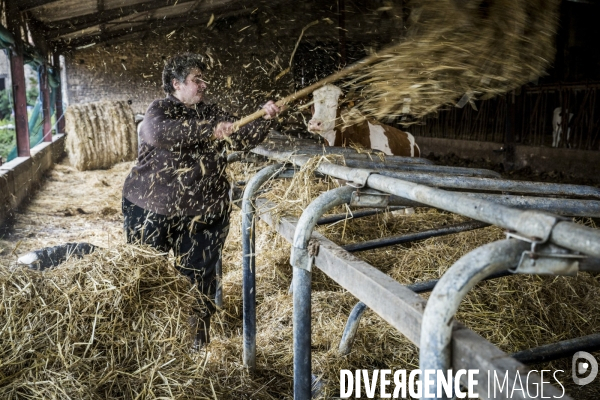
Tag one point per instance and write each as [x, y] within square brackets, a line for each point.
[223, 130]
[271, 110]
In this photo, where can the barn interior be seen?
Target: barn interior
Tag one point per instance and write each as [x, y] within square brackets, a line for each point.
[80, 68]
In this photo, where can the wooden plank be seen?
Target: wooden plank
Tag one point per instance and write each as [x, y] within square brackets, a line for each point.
[86, 21]
[25, 5]
[193, 18]
[403, 309]
[63, 10]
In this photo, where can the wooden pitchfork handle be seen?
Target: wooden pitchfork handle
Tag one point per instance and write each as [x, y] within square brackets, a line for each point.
[308, 90]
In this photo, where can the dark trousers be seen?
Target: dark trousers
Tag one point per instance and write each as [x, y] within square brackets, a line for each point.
[197, 246]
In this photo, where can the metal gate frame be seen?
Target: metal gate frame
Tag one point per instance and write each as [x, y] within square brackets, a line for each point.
[396, 304]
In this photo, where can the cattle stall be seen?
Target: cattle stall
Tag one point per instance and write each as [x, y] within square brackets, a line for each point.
[537, 243]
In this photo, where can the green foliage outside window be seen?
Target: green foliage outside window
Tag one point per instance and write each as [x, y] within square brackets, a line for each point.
[5, 104]
[7, 137]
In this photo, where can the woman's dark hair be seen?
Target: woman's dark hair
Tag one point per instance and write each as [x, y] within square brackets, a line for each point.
[179, 67]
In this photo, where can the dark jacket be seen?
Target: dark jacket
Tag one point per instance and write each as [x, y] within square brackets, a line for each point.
[180, 170]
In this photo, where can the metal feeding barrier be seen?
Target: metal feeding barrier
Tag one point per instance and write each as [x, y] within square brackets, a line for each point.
[537, 243]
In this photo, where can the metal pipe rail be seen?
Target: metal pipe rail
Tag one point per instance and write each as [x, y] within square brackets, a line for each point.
[403, 164]
[436, 330]
[536, 226]
[412, 237]
[562, 349]
[499, 185]
[249, 262]
[399, 306]
[308, 147]
[453, 286]
[434, 169]
[567, 207]
[330, 219]
[302, 260]
[532, 224]
[359, 309]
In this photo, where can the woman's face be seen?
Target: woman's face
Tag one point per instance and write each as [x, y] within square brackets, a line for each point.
[190, 91]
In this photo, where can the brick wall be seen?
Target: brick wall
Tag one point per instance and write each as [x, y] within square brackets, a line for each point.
[248, 50]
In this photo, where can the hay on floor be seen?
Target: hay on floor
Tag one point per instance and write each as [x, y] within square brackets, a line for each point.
[514, 313]
[112, 325]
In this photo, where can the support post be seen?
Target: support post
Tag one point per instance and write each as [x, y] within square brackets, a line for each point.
[249, 263]
[60, 120]
[301, 260]
[17, 71]
[45, 95]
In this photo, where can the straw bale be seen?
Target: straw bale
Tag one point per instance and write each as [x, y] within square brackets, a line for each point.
[100, 134]
[453, 49]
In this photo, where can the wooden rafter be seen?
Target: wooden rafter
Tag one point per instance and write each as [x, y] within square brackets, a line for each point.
[26, 5]
[157, 24]
[62, 28]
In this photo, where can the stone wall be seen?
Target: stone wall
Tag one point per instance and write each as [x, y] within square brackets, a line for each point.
[248, 51]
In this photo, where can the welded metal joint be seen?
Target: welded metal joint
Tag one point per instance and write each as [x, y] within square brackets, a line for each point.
[300, 258]
[546, 259]
[540, 222]
[369, 198]
[358, 177]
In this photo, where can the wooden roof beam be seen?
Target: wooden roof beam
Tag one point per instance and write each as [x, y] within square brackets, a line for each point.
[26, 5]
[64, 27]
[174, 22]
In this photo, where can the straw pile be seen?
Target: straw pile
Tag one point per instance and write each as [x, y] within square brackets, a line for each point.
[100, 134]
[459, 51]
[113, 325]
[515, 312]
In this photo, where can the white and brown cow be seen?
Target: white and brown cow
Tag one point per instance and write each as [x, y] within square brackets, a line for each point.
[367, 133]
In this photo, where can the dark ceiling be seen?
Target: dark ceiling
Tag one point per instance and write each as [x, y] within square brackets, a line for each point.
[69, 24]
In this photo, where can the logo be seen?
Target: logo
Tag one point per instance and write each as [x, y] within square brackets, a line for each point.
[582, 367]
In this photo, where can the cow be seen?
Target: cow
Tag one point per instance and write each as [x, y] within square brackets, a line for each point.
[367, 133]
[557, 127]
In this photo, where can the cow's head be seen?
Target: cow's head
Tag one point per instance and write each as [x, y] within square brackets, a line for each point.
[325, 109]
